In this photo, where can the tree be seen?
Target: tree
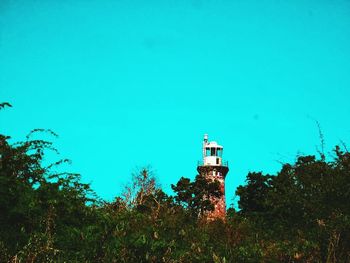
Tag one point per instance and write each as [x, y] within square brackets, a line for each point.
[41, 209]
[300, 214]
[143, 184]
[305, 201]
[253, 195]
[196, 196]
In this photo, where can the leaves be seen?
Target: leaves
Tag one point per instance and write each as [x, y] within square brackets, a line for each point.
[4, 105]
[197, 195]
[300, 214]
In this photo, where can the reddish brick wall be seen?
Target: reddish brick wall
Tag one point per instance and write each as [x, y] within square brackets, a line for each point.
[219, 203]
[216, 173]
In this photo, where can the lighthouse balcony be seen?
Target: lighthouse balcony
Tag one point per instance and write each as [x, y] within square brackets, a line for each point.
[219, 163]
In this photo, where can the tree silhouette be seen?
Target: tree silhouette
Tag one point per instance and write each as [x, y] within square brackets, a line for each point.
[300, 214]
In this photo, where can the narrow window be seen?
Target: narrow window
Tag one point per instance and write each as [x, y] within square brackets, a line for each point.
[207, 151]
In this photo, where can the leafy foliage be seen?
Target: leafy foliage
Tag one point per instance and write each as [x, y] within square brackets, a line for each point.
[196, 196]
[301, 214]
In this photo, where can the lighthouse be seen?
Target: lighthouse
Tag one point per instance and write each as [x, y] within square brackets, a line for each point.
[213, 167]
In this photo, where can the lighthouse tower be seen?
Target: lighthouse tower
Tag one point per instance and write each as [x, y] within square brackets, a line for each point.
[212, 167]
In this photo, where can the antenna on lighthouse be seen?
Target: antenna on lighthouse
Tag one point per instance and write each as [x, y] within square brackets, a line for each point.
[205, 141]
[206, 137]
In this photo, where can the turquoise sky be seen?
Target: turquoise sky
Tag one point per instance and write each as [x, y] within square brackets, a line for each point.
[132, 83]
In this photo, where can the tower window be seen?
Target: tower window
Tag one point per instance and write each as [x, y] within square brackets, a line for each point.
[213, 151]
[207, 151]
[219, 152]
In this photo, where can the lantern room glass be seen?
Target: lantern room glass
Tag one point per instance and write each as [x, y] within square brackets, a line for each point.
[219, 152]
[207, 151]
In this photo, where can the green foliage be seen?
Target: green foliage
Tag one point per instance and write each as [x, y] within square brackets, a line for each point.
[253, 195]
[301, 214]
[305, 206]
[195, 196]
[4, 105]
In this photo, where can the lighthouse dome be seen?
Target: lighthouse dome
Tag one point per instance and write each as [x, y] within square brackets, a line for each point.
[213, 144]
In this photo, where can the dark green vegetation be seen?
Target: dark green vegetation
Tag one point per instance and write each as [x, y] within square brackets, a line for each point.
[301, 214]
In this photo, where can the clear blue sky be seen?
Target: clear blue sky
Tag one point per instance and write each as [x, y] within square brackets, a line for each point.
[133, 83]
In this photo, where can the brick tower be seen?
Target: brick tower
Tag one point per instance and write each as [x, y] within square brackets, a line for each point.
[213, 167]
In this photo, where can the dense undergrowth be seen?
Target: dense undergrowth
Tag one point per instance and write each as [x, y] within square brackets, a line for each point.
[300, 214]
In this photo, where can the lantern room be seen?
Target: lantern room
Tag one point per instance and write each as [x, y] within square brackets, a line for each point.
[212, 152]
